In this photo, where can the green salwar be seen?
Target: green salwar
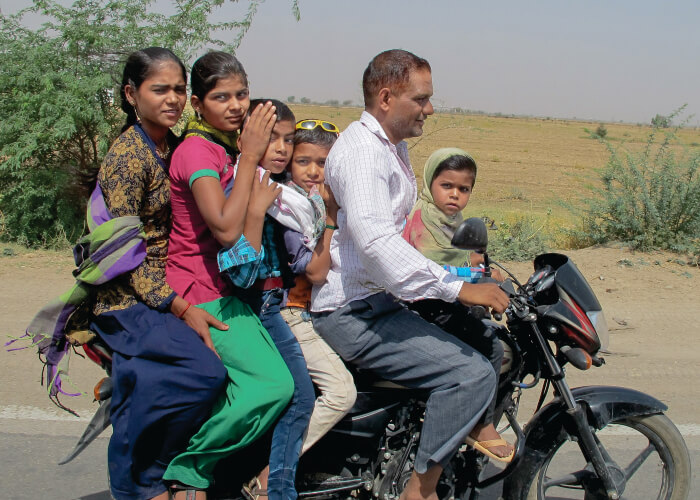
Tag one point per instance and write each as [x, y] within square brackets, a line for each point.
[258, 390]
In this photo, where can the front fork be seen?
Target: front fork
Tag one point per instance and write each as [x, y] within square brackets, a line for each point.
[587, 441]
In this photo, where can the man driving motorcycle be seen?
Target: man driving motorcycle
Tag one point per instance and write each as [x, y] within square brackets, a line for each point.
[358, 309]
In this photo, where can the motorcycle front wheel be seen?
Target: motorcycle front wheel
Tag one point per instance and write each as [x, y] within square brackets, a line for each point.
[649, 458]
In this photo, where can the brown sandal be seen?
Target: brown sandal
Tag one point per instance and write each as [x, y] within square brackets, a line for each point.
[484, 447]
[253, 490]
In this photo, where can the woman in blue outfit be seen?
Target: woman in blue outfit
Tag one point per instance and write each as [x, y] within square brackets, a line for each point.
[165, 372]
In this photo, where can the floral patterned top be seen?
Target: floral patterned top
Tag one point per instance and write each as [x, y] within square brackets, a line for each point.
[134, 182]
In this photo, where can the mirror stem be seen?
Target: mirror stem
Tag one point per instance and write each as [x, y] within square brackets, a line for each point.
[487, 265]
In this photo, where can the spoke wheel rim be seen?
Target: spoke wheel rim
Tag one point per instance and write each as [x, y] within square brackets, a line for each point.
[585, 481]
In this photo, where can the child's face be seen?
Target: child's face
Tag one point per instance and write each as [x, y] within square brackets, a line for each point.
[451, 190]
[225, 106]
[308, 163]
[280, 149]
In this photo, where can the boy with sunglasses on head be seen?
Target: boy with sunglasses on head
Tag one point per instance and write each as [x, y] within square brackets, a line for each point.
[282, 240]
[312, 142]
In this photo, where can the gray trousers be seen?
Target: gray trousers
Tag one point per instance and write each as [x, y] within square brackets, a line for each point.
[457, 320]
[380, 335]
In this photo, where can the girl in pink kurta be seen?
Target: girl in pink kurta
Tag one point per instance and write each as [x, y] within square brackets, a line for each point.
[259, 384]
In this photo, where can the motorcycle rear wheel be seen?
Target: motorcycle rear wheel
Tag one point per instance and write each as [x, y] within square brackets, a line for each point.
[648, 449]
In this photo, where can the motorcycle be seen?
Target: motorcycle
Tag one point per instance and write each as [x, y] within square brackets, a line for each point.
[626, 445]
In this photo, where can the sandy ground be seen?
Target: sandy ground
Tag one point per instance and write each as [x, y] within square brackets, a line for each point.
[650, 302]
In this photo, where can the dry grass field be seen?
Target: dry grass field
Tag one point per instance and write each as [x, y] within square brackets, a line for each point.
[526, 165]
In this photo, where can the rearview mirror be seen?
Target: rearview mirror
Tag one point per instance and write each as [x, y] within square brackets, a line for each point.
[471, 235]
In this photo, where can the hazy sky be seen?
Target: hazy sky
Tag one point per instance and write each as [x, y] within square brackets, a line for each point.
[600, 60]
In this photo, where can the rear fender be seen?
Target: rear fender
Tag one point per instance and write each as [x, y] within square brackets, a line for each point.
[551, 425]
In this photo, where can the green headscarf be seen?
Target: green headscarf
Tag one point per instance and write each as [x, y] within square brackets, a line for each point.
[440, 227]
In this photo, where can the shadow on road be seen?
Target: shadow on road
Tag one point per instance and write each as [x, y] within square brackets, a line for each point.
[102, 495]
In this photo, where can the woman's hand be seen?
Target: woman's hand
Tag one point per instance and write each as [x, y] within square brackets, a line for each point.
[263, 194]
[255, 136]
[197, 319]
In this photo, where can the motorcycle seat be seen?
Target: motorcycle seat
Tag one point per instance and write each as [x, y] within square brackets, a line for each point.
[387, 384]
[365, 380]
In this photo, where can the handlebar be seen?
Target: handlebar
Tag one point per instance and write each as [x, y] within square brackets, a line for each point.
[518, 299]
[480, 312]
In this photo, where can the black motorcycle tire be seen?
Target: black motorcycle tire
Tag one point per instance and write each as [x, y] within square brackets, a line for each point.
[670, 449]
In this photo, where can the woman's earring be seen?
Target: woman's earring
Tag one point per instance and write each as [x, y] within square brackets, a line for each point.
[198, 115]
[136, 111]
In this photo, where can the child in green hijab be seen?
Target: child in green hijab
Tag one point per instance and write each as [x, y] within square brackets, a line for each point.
[448, 180]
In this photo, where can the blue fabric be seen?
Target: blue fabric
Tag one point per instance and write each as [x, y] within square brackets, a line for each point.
[270, 266]
[165, 383]
[469, 274]
[298, 253]
[266, 266]
[289, 432]
[241, 262]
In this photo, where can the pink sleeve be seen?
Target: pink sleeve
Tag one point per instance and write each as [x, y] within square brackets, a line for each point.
[413, 229]
[196, 157]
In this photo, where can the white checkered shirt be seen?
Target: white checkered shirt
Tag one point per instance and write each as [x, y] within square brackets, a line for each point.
[375, 187]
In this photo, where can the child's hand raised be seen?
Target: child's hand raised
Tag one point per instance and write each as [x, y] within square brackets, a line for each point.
[257, 129]
[263, 194]
[328, 199]
[331, 204]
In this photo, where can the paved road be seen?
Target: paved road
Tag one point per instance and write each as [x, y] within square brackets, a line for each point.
[31, 447]
[29, 452]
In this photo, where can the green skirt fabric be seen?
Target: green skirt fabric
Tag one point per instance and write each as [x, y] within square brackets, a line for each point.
[258, 390]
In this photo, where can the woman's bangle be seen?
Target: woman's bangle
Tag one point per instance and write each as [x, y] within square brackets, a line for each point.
[184, 311]
[331, 226]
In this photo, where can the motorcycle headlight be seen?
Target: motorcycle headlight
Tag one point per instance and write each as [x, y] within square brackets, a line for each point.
[597, 319]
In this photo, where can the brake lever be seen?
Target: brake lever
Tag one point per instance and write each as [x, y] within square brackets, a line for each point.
[507, 287]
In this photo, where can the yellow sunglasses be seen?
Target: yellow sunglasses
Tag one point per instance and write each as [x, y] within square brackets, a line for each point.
[312, 124]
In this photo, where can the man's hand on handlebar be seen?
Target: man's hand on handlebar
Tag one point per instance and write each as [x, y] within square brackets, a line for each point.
[484, 294]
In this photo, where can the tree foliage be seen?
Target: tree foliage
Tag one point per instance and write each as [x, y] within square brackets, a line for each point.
[58, 84]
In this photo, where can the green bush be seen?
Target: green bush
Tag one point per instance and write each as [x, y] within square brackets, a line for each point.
[41, 210]
[601, 131]
[648, 199]
[518, 240]
[661, 121]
